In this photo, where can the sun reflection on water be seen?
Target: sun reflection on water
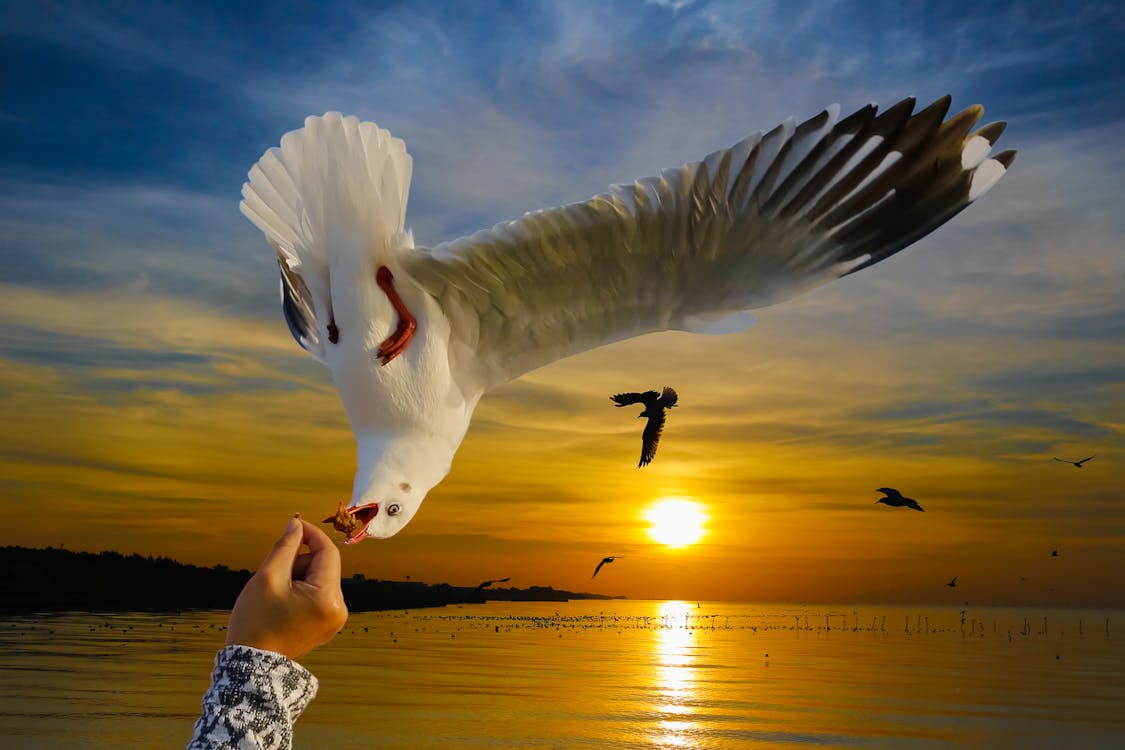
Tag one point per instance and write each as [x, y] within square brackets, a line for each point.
[674, 651]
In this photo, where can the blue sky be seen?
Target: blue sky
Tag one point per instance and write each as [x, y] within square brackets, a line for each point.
[132, 288]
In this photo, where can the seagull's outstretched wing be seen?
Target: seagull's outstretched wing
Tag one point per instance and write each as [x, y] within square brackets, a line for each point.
[597, 569]
[1085, 459]
[696, 247]
[1063, 460]
[651, 437]
[624, 399]
[889, 491]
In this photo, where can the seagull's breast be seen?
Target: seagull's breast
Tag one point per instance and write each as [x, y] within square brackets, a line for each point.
[411, 390]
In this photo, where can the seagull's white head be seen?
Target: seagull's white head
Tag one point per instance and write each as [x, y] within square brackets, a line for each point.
[395, 472]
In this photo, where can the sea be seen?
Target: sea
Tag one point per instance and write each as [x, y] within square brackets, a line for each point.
[599, 674]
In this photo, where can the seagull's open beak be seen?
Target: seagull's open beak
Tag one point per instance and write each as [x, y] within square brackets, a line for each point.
[364, 514]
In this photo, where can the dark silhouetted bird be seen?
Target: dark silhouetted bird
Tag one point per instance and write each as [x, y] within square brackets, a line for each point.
[603, 562]
[486, 584]
[1076, 464]
[1054, 553]
[655, 406]
[895, 499]
[952, 584]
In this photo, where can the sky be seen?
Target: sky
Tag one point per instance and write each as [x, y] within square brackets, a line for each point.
[153, 401]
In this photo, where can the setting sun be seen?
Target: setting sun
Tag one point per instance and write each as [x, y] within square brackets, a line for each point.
[675, 522]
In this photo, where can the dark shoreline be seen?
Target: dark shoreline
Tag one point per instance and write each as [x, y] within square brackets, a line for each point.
[58, 580]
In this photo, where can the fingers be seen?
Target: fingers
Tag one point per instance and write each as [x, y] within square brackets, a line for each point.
[279, 561]
[301, 566]
[324, 558]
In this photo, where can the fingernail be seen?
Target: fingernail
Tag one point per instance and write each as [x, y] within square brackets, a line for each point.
[297, 514]
[293, 526]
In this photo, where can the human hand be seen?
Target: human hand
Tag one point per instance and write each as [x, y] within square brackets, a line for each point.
[293, 602]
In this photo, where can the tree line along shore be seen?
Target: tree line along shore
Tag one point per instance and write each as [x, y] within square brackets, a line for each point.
[54, 579]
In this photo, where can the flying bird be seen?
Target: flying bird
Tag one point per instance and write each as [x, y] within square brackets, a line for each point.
[656, 404]
[486, 584]
[415, 336]
[603, 562]
[1076, 464]
[952, 584]
[1054, 553]
[895, 499]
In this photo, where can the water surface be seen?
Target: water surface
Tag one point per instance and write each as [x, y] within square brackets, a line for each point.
[595, 674]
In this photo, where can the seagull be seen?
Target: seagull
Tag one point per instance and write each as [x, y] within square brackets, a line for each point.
[1054, 553]
[486, 584]
[1076, 464]
[414, 336]
[603, 562]
[895, 499]
[655, 406]
[952, 584]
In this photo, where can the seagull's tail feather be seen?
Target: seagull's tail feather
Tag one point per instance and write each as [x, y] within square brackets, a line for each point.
[336, 174]
[333, 190]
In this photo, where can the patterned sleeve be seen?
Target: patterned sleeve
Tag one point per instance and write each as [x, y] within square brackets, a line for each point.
[254, 698]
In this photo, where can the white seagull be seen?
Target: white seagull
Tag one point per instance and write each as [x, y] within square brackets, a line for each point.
[414, 336]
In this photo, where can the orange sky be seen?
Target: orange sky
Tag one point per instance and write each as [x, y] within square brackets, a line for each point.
[783, 434]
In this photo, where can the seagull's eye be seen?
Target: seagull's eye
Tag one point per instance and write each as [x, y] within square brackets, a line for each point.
[392, 510]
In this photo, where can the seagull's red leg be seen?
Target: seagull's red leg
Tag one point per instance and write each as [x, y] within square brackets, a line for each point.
[395, 344]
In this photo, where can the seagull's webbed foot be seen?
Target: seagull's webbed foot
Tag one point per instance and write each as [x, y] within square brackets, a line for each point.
[395, 344]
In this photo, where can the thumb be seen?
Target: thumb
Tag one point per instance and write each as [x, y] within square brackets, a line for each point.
[279, 562]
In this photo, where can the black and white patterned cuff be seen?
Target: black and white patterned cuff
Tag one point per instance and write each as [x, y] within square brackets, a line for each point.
[254, 698]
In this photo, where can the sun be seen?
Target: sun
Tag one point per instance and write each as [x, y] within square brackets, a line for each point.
[675, 522]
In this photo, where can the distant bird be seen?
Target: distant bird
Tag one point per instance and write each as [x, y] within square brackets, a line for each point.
[603, 562]
[895, 499]
[1054, 553]
[415, 336]
[486, 584]
[952, 584]
[1076, 464]
[655, 406]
